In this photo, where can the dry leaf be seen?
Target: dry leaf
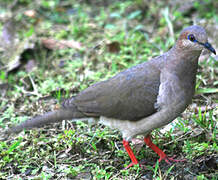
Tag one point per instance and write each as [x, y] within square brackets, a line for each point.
[138, 143]
[62, 44]
[30, 13]
[113, 47]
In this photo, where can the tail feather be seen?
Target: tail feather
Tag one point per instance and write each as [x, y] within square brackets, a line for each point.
[47, 118]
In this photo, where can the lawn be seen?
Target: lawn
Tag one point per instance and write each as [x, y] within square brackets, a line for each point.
[50, 50]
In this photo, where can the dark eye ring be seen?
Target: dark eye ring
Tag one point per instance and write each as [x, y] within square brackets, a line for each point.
[191, 37]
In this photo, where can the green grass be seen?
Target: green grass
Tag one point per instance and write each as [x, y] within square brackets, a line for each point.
[69, 150]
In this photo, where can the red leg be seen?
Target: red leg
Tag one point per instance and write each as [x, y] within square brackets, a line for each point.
[130, 153]
[160, 153]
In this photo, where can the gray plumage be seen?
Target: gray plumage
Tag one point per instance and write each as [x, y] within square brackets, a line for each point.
[141, 98]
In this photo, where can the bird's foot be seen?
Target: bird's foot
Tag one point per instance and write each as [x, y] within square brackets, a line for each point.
[142, 166]
[159, 152]
[130, 153]
[168, 160]
[130, 165]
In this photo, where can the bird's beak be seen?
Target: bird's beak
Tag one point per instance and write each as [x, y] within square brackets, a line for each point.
[209, 47]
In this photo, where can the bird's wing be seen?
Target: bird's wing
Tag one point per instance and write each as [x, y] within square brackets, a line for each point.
[173, 98]
[130, 95]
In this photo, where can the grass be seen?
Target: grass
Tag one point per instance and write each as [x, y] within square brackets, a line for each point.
[70, 150]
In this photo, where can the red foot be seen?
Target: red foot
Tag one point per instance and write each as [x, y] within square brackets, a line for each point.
[148, 141]
[160, 153]
[130, 153]
[130, 165]
[168, 159]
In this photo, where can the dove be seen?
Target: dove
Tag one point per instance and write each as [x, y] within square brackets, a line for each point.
[139, 99]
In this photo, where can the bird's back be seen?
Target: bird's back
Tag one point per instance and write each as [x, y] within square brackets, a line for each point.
[130, 95]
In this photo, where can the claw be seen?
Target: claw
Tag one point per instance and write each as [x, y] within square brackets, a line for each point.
[160, 153]
[148, 141]
[130, 165]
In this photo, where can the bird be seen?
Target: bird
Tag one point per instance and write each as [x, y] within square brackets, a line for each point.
[140, 99]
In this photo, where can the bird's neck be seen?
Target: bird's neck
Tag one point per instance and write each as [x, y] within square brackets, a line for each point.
[187, 61]
[184, 66]
[186, 54]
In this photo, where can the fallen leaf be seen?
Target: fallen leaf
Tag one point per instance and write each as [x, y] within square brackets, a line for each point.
[138, 143]
[113, 47]
[30, 13]
[60, 44]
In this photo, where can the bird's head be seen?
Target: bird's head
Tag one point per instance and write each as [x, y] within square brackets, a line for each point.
[194, 38]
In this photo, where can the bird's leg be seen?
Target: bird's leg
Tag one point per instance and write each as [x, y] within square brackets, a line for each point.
[160, 153]
[130, 153]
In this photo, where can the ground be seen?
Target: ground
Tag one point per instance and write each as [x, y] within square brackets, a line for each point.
[51, 50]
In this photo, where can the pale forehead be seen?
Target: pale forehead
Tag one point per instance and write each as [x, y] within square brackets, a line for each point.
[198, 31]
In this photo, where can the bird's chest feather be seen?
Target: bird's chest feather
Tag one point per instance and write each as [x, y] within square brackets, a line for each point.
[174, 88]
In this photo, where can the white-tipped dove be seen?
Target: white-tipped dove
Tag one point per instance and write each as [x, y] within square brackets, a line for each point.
[139, 99]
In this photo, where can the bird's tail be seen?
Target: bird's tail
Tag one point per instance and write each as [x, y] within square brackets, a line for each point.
[47, 118]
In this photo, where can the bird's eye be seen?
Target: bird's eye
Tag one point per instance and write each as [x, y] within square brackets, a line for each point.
[191, 37]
